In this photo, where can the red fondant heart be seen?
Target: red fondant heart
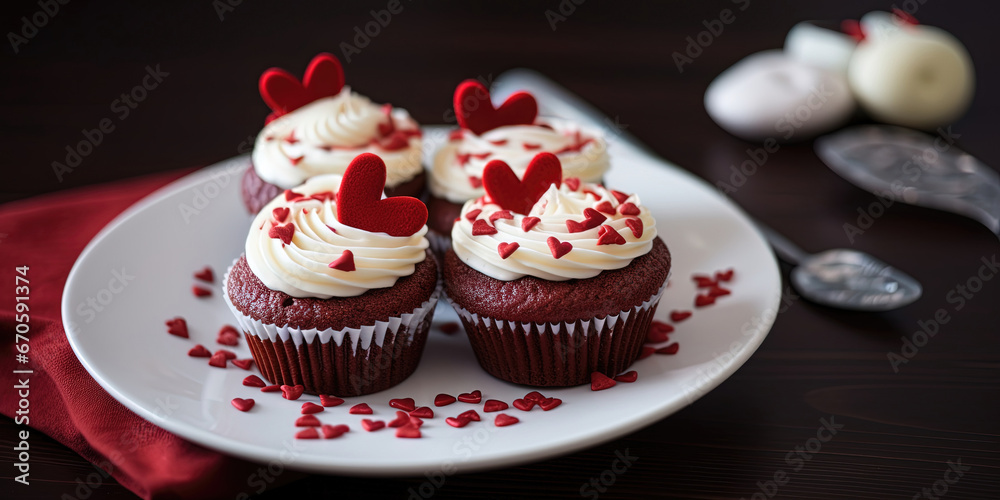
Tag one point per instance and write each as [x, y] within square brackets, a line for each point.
[253, 381]
[205, 275]
[444, 400]
[662, 327]
[243, 363]
[405, 404]
[506, 249]
[469, 414]
[416, 421]
[226, 353]
[670, 349]
[307, 421]
[646, 352]
[401, 419]
[524, 404]
[718, 291]
[519, 195]
[177, 326]
[503, 420]
[558, 248]
[600, 381]
[372, 425]
[704, 300]
[493, 405]
[422, 412]
[271, 388]
[334, 431]
[329, 401]
[280, 214]
[605, 207]
[360, 203]
[457, 422]
[678, 316]
[200, 291]
[283, 233]
[655, 336]
[291, 392]
[573, 183]
[217, 360]
[549, 403]
[482, 228]
[242, 404]
[628, 377]
[473, 397]
[474, 109]
[636, 226]
[610, 237]
[361, 409]
[534, 396]
[309, 408]
[592, 219]
[724, 276]
[620, 196]
[284, 93]
[408, 431]
[310, 433]
[344, 263]
[500, 214]
[628, 208]
[199, 351]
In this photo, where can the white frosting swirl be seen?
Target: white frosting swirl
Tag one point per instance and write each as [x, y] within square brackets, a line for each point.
[533, 256]
[583, 153]
[301, 268]
[323, 137]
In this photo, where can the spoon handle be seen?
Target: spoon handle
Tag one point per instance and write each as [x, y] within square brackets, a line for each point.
[784, 249]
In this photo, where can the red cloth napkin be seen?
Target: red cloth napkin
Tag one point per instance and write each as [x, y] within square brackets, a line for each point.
[47, 234]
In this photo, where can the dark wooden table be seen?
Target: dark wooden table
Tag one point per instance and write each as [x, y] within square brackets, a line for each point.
[900, 430]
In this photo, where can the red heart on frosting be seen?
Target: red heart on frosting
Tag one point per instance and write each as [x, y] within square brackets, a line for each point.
[360, 203]
[284, 93]
[474, 109]
[519, 195]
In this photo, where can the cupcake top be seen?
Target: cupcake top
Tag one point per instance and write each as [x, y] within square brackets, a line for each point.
[338, 236]
[319, 125]
[512, 133]
[547, 228]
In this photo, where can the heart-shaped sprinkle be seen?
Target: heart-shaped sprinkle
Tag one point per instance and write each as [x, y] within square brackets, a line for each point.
[307, 421]
[610, 237]
[702, 281]
[718, 291]
[243, 363]
[531, 146]
[482, 228]
[500, 214]
[573, 183]
[283, 233]
[600, 381]
[529, 222]
[724, 275]
[628, 208]
[592, 219]
[360, 204]
[422, 412]
[292, 195]
[199, 351]
[372, 425]
[448, 328]
[308, 408]
[470, 415]
[620, 196]
[670, 349]
[177, 326]
[292, 392]
[628, 377]
[227, 353]
[271, 388]
[524, 404]
[328, 401]
[310, 433]
[334, 431]
[253, 381]
[323, 196]
[473, 397]
[534, 396]
[228, 335]
[704, 300]
[416, 421]
[656, 336]
[405, 404]
[646, 352]
[472, 214]
[280, 214]
[283, 93]
[205, 275]
[605, 207]
[549, 403]
[678, 316]
[408, 431]
[503, 420]
[493, 405]
[242, 404]
[506, 249]
[444, 399]
[401, 419]
[475, 111]
[218, 360]
[457, 422]
[475, 182]
[558, 248]
[636, 226]
[344, 263]
[361, 409]
[518, 195]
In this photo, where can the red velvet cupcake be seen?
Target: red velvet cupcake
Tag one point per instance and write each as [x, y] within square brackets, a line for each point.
[336, 290]
[318, 126]
[512, 133]
[554, 279]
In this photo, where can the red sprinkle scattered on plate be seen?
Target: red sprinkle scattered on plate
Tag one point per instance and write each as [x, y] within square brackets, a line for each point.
[469, 414]
[329, 401]
[726, 275]
[408, 431]
[200, 291]
[228, 335]
[361, 409]
[549, 403]
[493, 405]
[205, 275]
[307, 421]
[718, 291]
[473, 397]
[401, 419]
[253, 381]
[243, 363]
[242, 404]
[308, 408]
[334, 431]
[629, 377]
[372, 425]
[678, 316]
[670, 349]
[227, 353]
[422, 412]
[503, 420]
[199, 351]
[309, 433]
[291, 392]
[704, 300]
[444, 399]
[405, 404]
[457, 422]
[524, 404]
[218, 360]
[534, 396]
[600, 381]
[177, 326]
[270, 388]
[703, 281]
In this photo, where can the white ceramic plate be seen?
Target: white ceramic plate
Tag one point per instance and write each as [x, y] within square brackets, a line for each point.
[198, 220]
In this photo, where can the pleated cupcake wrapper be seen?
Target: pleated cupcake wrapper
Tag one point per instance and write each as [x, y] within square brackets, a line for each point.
[559, 354]
[344, 362]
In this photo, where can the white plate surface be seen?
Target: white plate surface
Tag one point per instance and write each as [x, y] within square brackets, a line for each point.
[198, 220]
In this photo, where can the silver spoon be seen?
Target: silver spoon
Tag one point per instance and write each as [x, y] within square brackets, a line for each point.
[844, 279]
[915, 168]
